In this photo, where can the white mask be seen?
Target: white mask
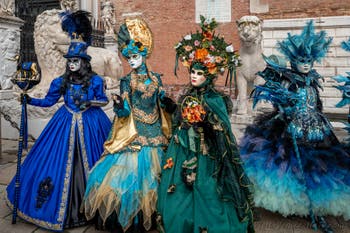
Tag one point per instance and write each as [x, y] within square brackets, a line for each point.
[197, 77]
[135, 61]
[304, 65]
[74, 63]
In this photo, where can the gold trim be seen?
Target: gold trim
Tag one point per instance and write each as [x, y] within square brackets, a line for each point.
[82, 144]
[143, 117]
[41, 223]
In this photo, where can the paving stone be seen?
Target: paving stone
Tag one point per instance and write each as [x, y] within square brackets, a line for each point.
[7, 173]
[20, 227]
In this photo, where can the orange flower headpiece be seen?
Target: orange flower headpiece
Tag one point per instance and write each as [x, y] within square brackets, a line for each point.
[208, 49]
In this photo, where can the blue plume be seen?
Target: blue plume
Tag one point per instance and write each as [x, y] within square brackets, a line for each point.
[346, 45]
[77, 25]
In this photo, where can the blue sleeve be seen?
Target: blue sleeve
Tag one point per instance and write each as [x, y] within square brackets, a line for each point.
[51, 97]
[99, 88]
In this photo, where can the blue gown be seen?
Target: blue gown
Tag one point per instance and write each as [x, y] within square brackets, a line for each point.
[292, 155]
[124, 182]
[54, 173]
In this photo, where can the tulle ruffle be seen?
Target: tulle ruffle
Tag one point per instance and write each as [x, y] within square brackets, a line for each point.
[125, 183]
[274, 170]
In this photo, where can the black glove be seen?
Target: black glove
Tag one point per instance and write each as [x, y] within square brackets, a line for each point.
[25, 96]
[118, 102]
[168, 104]
[84, 105]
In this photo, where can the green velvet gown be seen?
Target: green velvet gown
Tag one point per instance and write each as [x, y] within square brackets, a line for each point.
[203, 186]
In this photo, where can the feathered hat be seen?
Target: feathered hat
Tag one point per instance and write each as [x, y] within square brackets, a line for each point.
[135, 37]
[207, 50]
[306, 47]
[78, 26]
[345, 88]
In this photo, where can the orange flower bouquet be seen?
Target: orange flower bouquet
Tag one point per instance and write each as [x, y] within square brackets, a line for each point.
[192, 110]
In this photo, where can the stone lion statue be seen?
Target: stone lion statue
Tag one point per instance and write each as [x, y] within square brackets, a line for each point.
[250, 35]
[51, 43]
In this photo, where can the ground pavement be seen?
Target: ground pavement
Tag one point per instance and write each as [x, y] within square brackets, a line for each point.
[268, 223]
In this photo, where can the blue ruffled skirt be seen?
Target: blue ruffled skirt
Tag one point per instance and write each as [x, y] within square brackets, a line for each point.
[280, 186]
[48, 170]
[125, 183]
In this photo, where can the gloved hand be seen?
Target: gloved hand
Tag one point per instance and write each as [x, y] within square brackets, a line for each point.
[84, 105]
[26, 96]
[117, 102]
[167, 103]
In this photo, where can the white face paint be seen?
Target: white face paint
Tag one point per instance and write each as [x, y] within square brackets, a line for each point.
[197, 77]
[304, 65]
[135, 61]
[74, 63]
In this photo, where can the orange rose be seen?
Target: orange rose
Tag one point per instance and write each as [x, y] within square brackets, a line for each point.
[201, 54]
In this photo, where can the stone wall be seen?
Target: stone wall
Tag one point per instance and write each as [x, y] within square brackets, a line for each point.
[337, 60]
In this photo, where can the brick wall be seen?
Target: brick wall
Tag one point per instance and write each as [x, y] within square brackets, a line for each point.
[280, 9]
[169, 21]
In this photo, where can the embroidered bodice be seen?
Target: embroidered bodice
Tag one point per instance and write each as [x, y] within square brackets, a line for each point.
[75, 95]
[142, 93]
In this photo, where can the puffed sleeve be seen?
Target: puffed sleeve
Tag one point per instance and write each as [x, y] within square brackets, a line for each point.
[51, 97]
[99, 87]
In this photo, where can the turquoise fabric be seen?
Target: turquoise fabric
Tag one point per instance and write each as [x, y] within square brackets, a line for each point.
[219, 199]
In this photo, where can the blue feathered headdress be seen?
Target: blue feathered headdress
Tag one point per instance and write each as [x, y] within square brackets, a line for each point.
[308, 44]
[78, 26]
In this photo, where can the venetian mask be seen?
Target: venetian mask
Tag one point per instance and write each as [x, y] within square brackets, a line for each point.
[304, 65]
[135, 60]
[74, 64]
[197, 77]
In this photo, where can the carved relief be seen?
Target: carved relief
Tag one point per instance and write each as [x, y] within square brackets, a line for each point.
[9, 48]
[7, 7]
[108, 17]
[69, 5]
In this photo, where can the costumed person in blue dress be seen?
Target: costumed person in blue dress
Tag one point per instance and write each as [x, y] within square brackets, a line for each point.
[54, 173]
[292, 155]
[345, 89]
[122, 188]
[203, 185]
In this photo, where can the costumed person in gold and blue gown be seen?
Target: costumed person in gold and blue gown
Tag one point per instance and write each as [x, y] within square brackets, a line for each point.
[122, 188]
[203, 185]
[54, 173]
[292, 155]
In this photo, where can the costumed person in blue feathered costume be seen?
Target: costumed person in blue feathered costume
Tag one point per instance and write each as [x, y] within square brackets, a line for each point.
[54, 173]
[122, 188]
[292, 155]
[345, 89]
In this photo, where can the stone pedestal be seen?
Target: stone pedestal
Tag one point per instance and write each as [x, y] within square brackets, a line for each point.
[111, 42]
[9, 48]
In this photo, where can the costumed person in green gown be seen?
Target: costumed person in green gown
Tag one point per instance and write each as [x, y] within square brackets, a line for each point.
[203, 186]
[122, 187]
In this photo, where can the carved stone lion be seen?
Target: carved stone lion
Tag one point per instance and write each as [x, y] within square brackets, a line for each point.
[250, 35]
[51, 43]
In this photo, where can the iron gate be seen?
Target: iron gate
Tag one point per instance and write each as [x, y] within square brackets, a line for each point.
[28, 10]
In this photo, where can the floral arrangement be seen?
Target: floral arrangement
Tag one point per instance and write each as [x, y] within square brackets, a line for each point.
[192, 110]
[207, 48]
